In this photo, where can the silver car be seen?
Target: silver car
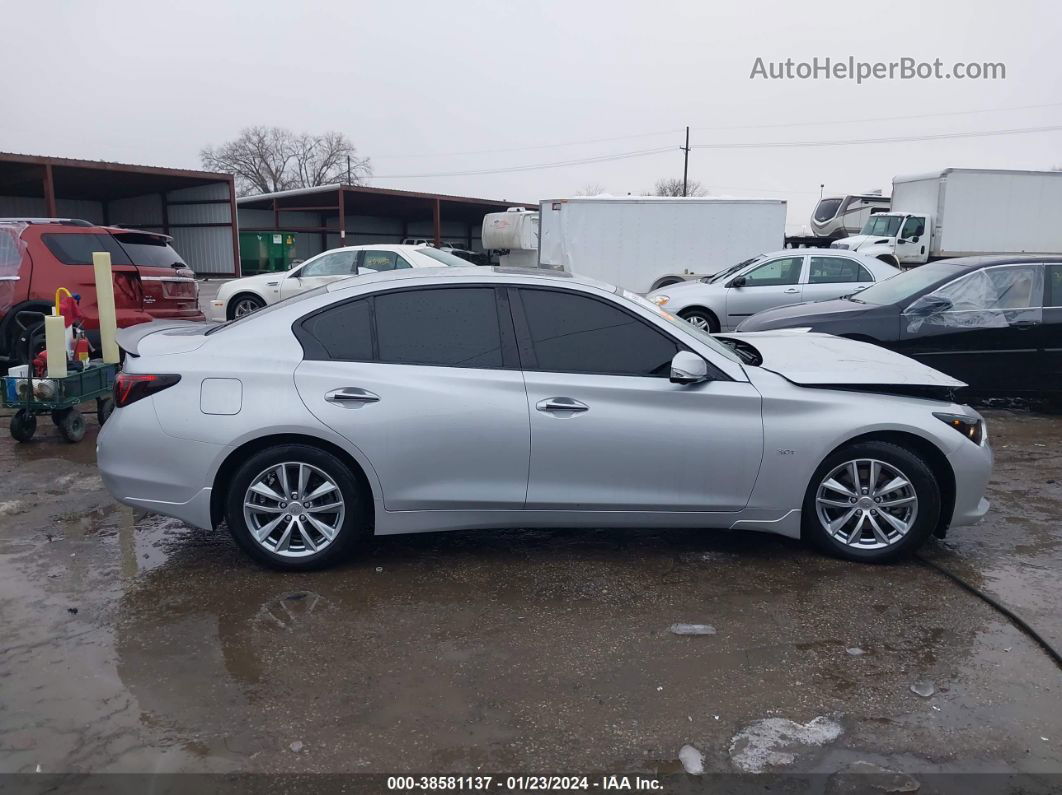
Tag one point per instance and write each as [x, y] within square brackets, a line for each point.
[452, 398]
[722, 301]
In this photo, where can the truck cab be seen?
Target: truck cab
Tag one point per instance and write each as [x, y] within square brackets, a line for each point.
[898, 238]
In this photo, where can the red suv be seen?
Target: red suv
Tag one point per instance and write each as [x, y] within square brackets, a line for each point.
[39, 255]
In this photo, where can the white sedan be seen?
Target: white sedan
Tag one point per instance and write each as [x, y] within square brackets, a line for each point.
[796, 275]
[243, 296]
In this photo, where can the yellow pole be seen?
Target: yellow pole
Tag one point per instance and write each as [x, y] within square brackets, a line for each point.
[60, 290]
[101, 264]
[55, 344]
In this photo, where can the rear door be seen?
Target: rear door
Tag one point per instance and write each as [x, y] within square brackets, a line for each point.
[425, 383]
[831, 277]
[984, 328]
[169, 286]
[775, 282]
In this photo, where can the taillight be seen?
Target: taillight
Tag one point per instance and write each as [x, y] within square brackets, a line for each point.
[131, 387]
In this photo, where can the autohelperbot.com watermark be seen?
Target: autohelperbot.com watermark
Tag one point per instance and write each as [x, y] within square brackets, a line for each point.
[851, 68]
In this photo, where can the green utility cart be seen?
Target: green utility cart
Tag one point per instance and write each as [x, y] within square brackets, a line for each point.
[59, 397]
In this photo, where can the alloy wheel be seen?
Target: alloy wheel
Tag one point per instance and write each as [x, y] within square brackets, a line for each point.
[245, 306]
[866, 504]
[293, 509]
[699, 322]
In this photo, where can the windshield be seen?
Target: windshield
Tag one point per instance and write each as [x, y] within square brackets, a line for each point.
[150, 251]
[687, 328]
[284, 303]
[883, 225]
[445, 257]
[906, 284]
[827, 209]
[715, 277]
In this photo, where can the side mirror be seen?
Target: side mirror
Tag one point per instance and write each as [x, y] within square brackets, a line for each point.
[688, 368]
[929, 305]
[737, 281]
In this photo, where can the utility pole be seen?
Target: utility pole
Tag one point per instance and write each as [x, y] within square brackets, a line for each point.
[685, 161]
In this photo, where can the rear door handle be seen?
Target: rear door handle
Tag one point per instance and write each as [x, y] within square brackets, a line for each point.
[561, 404]
[1024, 324]
[351, 396]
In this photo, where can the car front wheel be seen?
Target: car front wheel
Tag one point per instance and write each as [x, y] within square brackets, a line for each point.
[245, 305]
[872, 502]
[702, 319]
[295, 507]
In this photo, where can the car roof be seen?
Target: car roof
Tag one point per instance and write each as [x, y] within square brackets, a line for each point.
[984, 260]
[830, 252]
[485, 273]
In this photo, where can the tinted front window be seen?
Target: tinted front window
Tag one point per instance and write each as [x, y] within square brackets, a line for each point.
[344, 331]
[907, 284]
[575, 333]
[776, 273]
[913, 227]
[456, 327]
[827, 209]
[77, 249]
[150, 251]
[828, 270]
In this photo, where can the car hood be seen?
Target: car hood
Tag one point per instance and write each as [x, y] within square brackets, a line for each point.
[812, 359]
[796, 315]
[683, 291]
[163, 336]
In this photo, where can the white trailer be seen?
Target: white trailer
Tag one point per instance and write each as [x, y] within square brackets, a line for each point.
[961, 212]
[643, 243]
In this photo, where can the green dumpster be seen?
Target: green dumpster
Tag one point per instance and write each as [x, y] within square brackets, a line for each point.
[263, 252]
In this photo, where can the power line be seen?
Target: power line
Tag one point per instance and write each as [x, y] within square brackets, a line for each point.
[764, 145]
[772, 126]
[889, 140]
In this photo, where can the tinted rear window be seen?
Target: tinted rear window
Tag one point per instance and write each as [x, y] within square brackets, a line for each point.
[344, 331]
[77, 248]
[150, 251]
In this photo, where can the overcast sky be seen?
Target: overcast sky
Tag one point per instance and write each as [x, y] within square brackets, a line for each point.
[450, 86]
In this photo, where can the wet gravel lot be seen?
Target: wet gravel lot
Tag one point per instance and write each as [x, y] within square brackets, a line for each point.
[134, 643]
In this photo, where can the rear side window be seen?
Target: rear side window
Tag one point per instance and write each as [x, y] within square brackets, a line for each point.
[77, 248]
[344, 331]
[828, 270]
[453, 327]
[381, 261]
[578, 334]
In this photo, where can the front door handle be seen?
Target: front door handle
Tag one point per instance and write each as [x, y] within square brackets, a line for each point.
[792, 290]
[561, 404]
[1024, 324]
[351, 396]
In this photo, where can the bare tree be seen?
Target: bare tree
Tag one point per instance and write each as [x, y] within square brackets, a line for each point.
[591, 189]
[268, 159]
[673, 187]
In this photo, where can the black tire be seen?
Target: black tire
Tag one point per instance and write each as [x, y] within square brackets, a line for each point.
[72, 425]
[246, 300]
[104, 407]
[356, 517]
[23, 425]
[922, 482]
[708, 317]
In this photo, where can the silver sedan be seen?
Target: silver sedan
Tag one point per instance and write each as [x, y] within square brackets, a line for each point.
[455, 398]
[796, 275]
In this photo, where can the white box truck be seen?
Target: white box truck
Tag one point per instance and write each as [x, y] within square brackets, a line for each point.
[643, 243]
[962, 212]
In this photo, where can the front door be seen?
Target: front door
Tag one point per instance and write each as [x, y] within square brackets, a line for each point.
[769, 284]
[433, 399]
[983, 328]
[322, 269]
[912, 244]
[609, 431]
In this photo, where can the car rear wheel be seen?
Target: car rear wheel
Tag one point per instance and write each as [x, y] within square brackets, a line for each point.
[244, 305]
[295, 507]
[872, 502]
[702, 319]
